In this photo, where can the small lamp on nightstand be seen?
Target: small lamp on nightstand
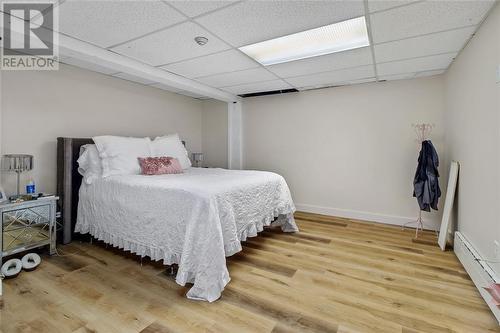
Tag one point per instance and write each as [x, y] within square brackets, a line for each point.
[17, 163]
[197, 159]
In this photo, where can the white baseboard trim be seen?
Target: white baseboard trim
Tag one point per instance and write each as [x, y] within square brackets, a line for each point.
[366, 216]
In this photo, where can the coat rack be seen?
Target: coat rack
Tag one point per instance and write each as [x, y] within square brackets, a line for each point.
[422, 132]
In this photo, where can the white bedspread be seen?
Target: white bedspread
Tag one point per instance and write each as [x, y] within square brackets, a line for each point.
[194, 219]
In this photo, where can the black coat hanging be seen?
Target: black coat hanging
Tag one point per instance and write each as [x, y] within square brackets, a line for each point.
[426, 181]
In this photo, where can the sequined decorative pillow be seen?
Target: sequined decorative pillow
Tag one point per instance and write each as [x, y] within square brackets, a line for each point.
[159, 165]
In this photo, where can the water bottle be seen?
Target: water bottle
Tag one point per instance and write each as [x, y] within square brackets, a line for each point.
[30, 188]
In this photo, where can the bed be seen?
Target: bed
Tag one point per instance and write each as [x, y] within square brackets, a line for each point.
[195, 219]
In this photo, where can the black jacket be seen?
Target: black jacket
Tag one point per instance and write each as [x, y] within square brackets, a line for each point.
[426, 183]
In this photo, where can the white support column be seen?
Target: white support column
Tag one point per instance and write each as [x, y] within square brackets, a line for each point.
[234, 135]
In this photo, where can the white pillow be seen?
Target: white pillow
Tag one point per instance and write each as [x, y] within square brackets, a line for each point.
[89, 163]
[171, 145]
[119, 154]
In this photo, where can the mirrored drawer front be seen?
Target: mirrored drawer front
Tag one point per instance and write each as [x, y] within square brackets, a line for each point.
[25, 237]
[25, 227]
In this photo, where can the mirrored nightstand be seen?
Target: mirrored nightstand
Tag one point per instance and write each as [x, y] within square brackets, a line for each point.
[28, 225]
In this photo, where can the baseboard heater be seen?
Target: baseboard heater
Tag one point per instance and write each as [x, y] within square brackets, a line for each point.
[480, 272]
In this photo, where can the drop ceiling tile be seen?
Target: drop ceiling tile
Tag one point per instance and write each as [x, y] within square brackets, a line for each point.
[133, 78]
[407, 76]
[87, 65]
[171, 45]
[107, 23]
[194, 8]
[426, 17]
[256, 21]
[326, 63]
[258, 87]
[378, 5]
[223, 62]
[416, 65]
[237, 78]
[334, 77]
[442, 42]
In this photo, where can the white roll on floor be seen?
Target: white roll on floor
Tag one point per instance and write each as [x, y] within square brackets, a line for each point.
[11, 268]
[31, 261]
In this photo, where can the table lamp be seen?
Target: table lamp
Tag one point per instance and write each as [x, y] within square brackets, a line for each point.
[17, 163]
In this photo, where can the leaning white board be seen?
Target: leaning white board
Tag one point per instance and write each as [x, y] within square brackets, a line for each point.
[448, 204]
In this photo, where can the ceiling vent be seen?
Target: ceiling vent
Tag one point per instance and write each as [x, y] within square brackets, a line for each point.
[274, 92]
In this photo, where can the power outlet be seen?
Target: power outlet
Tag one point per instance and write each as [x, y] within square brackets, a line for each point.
[497, 249]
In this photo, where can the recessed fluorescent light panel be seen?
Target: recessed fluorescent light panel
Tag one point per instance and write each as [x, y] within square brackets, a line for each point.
[337, 37]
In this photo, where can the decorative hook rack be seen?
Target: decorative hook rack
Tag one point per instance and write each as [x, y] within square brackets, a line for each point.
[423, 131]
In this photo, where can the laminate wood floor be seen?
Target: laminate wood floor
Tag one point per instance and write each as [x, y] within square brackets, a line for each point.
[336, 275]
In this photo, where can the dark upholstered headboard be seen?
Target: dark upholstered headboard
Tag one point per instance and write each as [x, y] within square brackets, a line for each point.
[69, 181]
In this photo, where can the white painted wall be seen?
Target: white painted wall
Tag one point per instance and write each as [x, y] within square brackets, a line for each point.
[214, 133]
[40, 106]
[347, 151]
[473, 135]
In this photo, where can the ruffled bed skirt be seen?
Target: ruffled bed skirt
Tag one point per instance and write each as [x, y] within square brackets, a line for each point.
[282, 217]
